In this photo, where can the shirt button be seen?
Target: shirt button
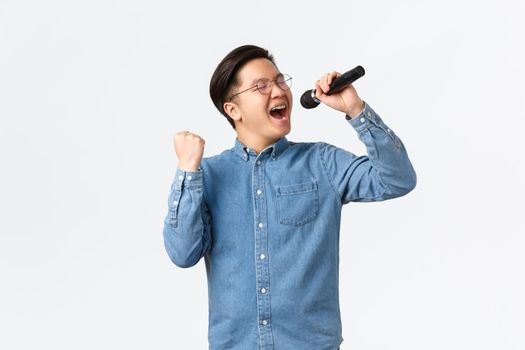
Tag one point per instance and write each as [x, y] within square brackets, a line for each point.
[181, 177]
[362, 120]
[258, 162]
[262, 256]
[263, 290]
[264, 322]
[387, 130]
[261, 225]
[259, 192]
[368, 114]
[175, 202]
[189, 177]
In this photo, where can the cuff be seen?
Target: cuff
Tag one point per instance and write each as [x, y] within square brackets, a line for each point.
[188, 179]
[367, 119]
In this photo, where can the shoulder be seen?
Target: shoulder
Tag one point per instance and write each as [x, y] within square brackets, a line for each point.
[306, 148]
[303, 152]
[216, 159]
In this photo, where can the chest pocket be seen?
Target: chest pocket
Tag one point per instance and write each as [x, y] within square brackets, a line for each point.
[297, 204]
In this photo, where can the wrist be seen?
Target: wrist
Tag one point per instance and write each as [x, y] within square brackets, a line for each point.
[354, 111]
[188, 167]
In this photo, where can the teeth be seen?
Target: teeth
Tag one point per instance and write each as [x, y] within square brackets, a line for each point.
[278, 107]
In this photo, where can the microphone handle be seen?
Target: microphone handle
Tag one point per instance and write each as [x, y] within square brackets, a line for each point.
[308, 99]
[346, 79]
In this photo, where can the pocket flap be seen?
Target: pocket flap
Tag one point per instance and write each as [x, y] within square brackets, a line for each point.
[296, 188]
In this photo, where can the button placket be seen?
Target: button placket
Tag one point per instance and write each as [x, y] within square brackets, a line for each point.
[261, 247]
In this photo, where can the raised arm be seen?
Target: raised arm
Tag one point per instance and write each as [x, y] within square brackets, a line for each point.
[386, 172]
[187, 226]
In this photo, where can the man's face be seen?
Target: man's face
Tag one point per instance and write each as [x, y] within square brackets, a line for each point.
[255, 121]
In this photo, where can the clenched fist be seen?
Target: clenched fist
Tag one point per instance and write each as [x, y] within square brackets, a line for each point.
[189, 149]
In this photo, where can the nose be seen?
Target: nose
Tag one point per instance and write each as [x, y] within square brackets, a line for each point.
[276, 90]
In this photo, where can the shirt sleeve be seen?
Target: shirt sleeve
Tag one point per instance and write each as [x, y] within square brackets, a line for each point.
[385, 172]
[187, 226]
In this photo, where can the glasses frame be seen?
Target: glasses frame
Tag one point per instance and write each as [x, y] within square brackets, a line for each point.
[286, 77]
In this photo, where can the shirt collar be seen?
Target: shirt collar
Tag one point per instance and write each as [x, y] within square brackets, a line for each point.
[276, 149]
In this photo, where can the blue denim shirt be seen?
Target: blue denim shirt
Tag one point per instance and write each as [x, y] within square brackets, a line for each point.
[268, 225]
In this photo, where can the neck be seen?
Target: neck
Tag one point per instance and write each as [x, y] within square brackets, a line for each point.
[256, 144]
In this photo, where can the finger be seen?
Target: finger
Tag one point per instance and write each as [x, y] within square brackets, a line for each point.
[178, 135]
[326, 84]
[199, 139]
[318, 91]
[332, 76]
[322, 84]
[195, 137]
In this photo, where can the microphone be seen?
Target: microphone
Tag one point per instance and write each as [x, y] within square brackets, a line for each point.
[308, 99]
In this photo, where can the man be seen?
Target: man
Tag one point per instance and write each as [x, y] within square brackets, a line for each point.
[265, 214]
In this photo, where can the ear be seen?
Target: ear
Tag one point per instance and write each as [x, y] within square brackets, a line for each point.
[232, 110]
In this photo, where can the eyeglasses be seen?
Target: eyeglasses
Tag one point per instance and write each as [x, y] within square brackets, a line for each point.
[284, 81]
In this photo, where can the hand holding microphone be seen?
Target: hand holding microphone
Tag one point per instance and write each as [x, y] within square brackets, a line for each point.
[336, 91]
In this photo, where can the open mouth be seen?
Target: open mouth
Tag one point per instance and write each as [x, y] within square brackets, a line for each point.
[279, 112]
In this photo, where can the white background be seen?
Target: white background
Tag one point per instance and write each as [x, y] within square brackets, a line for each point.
[91, 93]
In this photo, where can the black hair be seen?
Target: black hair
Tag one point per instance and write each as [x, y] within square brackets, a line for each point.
[224, 79]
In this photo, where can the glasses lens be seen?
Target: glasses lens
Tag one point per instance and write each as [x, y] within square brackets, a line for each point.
[264, 86]
[284, 81]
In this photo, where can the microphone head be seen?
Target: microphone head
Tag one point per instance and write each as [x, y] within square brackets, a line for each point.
[308, 99]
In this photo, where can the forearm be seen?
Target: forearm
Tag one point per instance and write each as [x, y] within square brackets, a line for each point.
[186, 226]
[386, 153]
